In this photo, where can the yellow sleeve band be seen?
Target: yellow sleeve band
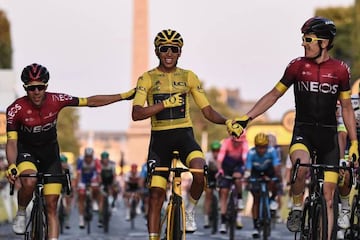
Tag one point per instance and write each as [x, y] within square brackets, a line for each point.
[281, 87]
[345, 95]
[82, 101]
[12, 135]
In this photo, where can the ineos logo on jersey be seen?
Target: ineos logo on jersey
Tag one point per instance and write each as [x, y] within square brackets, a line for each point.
[317, 87]
[39, 128]
[12, 112]
[62, 97]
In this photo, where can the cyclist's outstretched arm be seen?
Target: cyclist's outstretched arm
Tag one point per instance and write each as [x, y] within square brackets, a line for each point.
[102, 100]
[212, 115]
[265, 102]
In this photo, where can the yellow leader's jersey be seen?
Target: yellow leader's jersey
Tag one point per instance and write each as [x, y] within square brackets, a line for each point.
[155, 86]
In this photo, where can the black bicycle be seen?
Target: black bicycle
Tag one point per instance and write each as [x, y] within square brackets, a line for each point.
[231, 209]
[354, 232]
[133, 200]
[106, 213]
[37, 226]
[61, 213]
[314, 220]
[88, 214]
[266, 215]
[214, 206]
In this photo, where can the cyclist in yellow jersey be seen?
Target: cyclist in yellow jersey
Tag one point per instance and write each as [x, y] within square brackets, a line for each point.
[167, 89]
[32, 140]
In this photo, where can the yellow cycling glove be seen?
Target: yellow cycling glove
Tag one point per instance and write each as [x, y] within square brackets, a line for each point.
[236, 126]
[353, 150]
[173, 101]
[128, 95]
[233, 130]
[10, 169]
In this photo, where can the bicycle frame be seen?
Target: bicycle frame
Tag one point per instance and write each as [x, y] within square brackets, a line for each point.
[231, 209]
[88, 207]
[38, 216]
[264, 204]
[175, 210]
[106, 208]
[315, 203]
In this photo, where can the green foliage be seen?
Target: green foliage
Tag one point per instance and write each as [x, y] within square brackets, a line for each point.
[215, 131]
[67, 126]
[5, 43]
[347, 40]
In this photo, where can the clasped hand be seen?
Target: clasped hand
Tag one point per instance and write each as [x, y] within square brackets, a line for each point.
[235, 127]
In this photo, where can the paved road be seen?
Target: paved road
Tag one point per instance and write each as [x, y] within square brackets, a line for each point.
[121, 229]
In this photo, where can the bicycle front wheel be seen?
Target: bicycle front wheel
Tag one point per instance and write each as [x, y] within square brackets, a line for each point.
[106, 214]
[174, 226]
[266, 218]
[320, 223]
[231, 212]
[214, 214]
[61, 214]
[39, 222]
[305, 230]
[355, 218]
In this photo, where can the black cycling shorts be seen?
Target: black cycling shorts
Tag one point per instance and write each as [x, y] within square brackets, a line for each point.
[46, 158]
[163, 143]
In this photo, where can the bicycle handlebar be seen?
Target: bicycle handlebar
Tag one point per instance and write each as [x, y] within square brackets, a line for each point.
[41, 176]
[323, 167]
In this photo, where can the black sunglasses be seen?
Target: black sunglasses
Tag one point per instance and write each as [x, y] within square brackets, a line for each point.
[165, 48]
[34, 87]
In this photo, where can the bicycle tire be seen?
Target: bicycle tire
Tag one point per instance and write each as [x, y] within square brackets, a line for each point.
[61, 215]
[355, 218]
[319, 223]
[175, 220]
[214, 214]
[266, 218]
[106, 214]
[88, 214]
[231, 212]
[133, 204]
[305, 229]
[39, 222]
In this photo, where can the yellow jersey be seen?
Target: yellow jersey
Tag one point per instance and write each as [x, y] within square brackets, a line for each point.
[155, 86]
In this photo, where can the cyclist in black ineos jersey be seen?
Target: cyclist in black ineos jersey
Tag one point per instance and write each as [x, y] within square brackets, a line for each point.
[32, 140]
[319, 81]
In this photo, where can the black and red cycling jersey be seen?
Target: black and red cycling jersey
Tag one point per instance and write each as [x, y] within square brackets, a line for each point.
[35, 125]
[316, 88]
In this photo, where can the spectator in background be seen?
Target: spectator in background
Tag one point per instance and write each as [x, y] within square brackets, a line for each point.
[231, 161]
[211, 161]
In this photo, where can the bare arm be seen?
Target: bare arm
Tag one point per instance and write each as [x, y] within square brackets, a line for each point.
[102, 100]
[349, 118]
[11, 150]
[265, 103]
[11, 155]
[141, 113]
[212, 115]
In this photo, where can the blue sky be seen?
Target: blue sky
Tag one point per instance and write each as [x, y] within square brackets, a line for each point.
[86, 45]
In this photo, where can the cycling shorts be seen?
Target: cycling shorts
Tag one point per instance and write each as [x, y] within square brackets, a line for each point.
[231, 165]
[323, 140]
[45, 159]
[162, 145]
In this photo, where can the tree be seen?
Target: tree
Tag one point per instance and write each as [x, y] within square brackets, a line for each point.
[5, 43]
[215, 131]
[347, 40]
[67, 128]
